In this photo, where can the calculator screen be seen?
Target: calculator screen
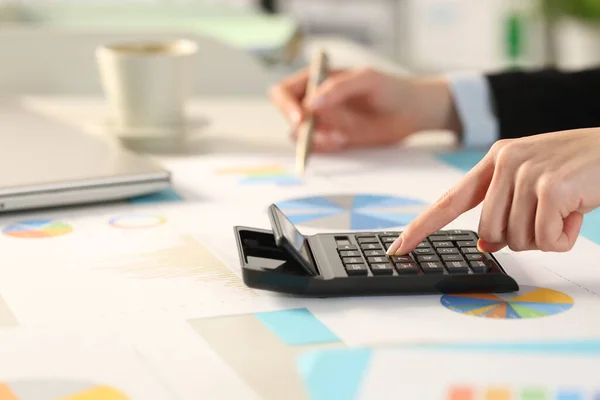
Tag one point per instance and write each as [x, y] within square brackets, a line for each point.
[293, 237]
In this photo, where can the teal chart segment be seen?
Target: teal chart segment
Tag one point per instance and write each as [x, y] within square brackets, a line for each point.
[352, 211]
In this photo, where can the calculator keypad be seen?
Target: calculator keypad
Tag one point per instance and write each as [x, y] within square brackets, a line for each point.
[444, 252]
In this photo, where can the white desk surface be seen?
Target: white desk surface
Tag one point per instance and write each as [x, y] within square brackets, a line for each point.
[217, 125]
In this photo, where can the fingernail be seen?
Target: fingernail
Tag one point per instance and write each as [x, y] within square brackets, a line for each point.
[395, 246]
[316, 103]
[479, 246]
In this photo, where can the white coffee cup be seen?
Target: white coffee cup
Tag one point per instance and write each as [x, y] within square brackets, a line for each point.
[147, 85]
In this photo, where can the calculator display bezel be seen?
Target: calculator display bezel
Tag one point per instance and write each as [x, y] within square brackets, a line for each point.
[277, 218]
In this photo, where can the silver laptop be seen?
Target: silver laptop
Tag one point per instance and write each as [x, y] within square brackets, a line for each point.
[46, 163]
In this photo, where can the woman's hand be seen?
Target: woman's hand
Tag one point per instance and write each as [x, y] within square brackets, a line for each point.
[365, 108]
[535, 191]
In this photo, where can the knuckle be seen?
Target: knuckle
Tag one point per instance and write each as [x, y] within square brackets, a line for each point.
[517, 245]
[525, 179]
[542, 243]
[551, 188]
[498, 146]
[567, 248]
[507, 155]
[545, 244]
[526, 171]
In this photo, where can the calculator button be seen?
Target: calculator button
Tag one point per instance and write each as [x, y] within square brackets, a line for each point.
[388, 239]
[350, 253]
[377, 260]
[370, 246]
[357, 269]
[468, 243]
[402, 259]
[438, 238]
[457, 266]
[352, 260]
[457, 232]
[447, 250]
[375, 253]
[347, 247]
[423, 251]
[423, 245]
[452, 257]
[407, 268]
[382, 269]
[470, 250]
[369, 239]
[387, 234]
[443, 244]
[432, 267]
[479, 266]
[475, 257]
[456, 238]
[427, 258]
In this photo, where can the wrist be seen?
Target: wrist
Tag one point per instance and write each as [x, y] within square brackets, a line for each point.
[435, 106]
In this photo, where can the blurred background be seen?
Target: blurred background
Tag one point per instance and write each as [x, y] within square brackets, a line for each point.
[423, 36]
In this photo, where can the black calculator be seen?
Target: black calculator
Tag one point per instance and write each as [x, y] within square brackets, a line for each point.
[355, 263]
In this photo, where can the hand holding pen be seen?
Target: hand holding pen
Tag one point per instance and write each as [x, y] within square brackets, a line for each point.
[362, 107]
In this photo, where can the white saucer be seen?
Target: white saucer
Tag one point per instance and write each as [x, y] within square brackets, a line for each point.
[153, 139]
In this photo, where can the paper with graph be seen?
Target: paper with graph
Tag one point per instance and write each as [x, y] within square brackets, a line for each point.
[128, 264]
[40, 363]
[176, 265]
[454, 375]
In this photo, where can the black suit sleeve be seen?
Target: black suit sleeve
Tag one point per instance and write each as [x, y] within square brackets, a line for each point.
[532, 102]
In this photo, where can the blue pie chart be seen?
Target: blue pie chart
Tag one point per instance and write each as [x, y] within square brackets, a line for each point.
[352, 211]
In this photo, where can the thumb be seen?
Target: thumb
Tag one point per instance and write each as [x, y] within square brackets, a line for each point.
[340, 88]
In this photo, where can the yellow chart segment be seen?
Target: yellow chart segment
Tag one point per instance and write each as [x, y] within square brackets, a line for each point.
[58, 390]
[482, 296]
[544, 296]
[98, 393]
[481, 311]
[6, 393]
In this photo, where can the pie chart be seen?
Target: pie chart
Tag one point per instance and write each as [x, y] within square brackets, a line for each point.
[137, 221]
[352, 211]
[35, 229]
[529, 302]
[57, 390]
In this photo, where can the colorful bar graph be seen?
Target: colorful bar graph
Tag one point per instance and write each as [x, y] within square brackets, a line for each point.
[570, 395]
[533, 394]
[497, 394]
[461, 393]
[527, 393]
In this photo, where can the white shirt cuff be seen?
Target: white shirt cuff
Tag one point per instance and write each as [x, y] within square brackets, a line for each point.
[473, 101]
